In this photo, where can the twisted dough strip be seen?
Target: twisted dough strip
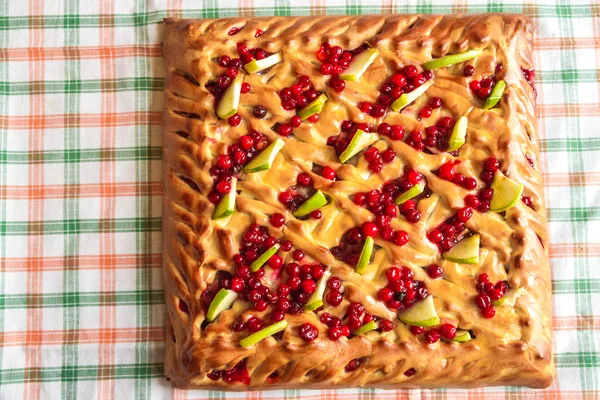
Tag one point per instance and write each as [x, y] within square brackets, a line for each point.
[512, 348]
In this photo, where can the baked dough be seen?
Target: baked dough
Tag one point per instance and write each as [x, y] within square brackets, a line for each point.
[513, 348]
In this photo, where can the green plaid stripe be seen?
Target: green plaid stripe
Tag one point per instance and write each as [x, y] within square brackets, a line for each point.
[73, 157]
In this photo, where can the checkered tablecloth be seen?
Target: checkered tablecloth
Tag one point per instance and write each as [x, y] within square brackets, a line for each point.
[81, 302]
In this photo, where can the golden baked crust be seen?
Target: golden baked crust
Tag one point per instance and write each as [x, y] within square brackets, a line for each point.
[513, 348]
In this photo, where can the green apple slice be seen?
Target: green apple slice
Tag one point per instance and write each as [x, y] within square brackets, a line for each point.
[222, 301]
[506, 193]
[316, 299]
[422, 313]
[226, 206]
[315, 107]
[360, 141]
[265, 159]
[510, 298]
[451, 59]
[408, 98]
[496, 95]
[264, 333]
[462, 336]
[365, 255]
[359, 65]
[264, 257]
[464, 252]
[255, 65]
[368, 327]
[313, 203]
[459, 134]
[410, 193]
[228, 104]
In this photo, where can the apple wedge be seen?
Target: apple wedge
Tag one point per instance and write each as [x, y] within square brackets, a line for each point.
[510, 298]
[496, 95]
[422, 313]
[408, 98]
[230, 100]
[226, 206]
[462, 336]
[264, 257]
[410, 193]
[464, 252]
[255, 65]
[222, 301]
[315, 107]
[316, 299]
[360, 141]
[459, 134]
[365, 255]
[313, 203]
[265, 159]
[359, 65]
[368, 327]
[506, 193]
[451, 59]
[264, 333]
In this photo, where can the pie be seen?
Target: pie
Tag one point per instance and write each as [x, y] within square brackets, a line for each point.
[354, 201]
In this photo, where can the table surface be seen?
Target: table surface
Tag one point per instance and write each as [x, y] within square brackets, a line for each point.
[81, 302]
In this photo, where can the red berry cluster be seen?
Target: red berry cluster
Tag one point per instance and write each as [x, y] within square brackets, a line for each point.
[298, 96]
[488, 292]
[379, 202]
[481, 202]
[436, 136]
[402, 290]
[431, 336]
[334, 60]
[449, 232]
[448, 173]
[376, 158]
[348, 130]
[529, 75]
[483, 88]
[223, 81]
[394, 132]
[404, 81]
[302, 280]
[433, 103]
[295, 196]
[336, 328]
[230, 164]
[334, 297]
[247, 55]
[239, 373]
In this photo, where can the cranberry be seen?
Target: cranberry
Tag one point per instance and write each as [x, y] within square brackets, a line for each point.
[235, 63]
[484, 92]
[393, 274]
[298, 255]
[397, 132]
[474, 86]
[388, 155]
[334, 298]
[469, 183]
[491, 164]
[410, 71]
[489, 312]
[261, 305]
[234, 120]
[326, 69]
[337, 84]
[385, 295]
[413, 216]
[434, 271]
[304, 179]
[399, 80]
[416, 330]
[410, 372]
[370, 229]
[277, 220]
[464, 214]
[293, 269]
[484, 206]
[447, 171]
[448, 331]
[328, 173]
[245, 88]
[528, 201]
[334, 283]
[237, 284]
[431, 336]
[425, 112]
[365, 107]
[469, 70]
[308, 332]
[254, 324]
[294, 282]
[223, 187]
[284, 130]
[277, 316]
[482, 300]
[434, 236]
[335, 333]
[435, 102]
[214, 197]
[308, 286]
[486, 194]
[472, 201]
[275, 262]
[483, 278]
[386, 325]
[214, 375]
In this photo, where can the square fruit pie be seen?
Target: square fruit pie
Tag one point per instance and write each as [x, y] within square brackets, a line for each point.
[354, 202]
